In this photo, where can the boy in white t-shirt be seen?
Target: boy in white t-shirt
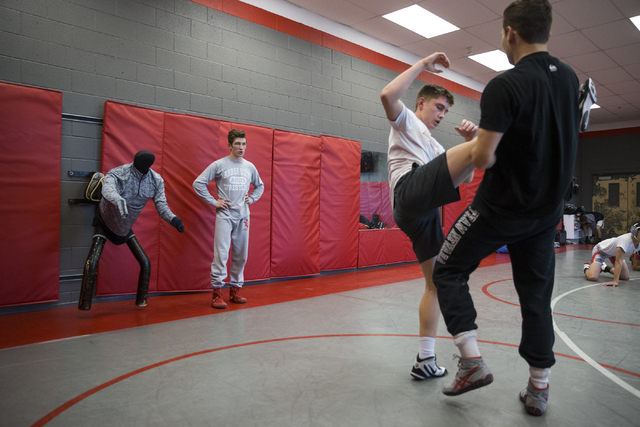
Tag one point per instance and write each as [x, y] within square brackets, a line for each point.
[422, 177]
[616, 249]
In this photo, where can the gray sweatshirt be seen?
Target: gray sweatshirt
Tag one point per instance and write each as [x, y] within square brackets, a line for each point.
[125, 192]
[233, 181]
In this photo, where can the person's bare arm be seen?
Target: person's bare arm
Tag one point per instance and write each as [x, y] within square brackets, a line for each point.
[617, 268]
[483, 153]
[391, 94]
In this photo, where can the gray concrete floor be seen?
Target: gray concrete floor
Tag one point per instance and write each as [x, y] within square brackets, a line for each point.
[336, 360]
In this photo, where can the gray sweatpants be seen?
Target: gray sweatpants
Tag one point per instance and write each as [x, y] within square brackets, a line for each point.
[232, 233]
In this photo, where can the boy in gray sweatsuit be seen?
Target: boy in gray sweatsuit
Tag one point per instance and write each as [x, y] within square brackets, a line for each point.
[233, 175]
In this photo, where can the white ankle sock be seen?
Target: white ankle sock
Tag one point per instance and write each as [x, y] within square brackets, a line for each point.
[539, 377]
[466, 343]
[427, 346]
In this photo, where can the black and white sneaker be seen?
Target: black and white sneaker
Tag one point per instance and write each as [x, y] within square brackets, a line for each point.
[426, 368]
[588, 97]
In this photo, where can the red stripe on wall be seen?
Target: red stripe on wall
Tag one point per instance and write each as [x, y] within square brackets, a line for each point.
[270, 20]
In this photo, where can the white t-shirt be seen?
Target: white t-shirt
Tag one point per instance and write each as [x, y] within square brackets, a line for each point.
[609, 247]
[409, 142]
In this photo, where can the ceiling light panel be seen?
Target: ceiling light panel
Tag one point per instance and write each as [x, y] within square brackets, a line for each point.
[496, 60]
[421, 21]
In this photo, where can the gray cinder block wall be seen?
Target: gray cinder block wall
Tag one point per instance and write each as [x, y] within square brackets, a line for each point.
[179, 56]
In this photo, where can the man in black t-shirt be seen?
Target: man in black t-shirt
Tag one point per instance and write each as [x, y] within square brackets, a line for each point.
[527, 144]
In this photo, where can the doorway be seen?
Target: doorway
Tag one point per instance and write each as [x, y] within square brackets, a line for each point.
[616, 197]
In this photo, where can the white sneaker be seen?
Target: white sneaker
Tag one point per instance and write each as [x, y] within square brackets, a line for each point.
[426, 368]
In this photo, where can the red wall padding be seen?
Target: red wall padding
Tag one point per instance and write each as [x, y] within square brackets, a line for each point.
[467, 193]
[339, 203]
[371, 247]
[386, 211]
[305, 222]
[190, 144]
[295, 234]
[184, 146]
[370, 199]
[30, 142]
[127, 130]
[374, 199]
[260, 153]
[379, 247]
[395, 243]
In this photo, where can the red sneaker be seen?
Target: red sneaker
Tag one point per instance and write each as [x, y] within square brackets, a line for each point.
[217, 301]
[234, 296]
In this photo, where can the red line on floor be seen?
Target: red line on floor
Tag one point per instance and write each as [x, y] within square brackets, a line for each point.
[60, 323]
[487, 293]
[51, 415]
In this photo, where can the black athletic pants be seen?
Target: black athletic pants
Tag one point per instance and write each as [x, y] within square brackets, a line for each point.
[530, 243]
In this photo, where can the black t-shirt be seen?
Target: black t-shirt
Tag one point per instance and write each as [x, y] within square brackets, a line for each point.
[535, 105]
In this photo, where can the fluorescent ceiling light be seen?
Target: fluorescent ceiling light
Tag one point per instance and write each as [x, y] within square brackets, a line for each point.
[496, 60]
[636, 21]
[421, 21]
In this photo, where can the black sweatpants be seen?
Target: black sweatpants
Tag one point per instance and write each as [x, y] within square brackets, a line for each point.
[530, 242]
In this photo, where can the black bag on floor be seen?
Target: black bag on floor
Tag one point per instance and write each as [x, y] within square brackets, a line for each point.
[561, 237]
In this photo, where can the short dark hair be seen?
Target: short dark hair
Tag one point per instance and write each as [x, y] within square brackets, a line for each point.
[235, 133]
[531, 19]
[430, 91]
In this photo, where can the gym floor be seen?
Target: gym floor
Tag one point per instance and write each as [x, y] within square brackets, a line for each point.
[330, 350]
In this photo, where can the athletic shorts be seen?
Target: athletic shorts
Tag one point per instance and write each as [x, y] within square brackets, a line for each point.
[598, 257]
[417, 197]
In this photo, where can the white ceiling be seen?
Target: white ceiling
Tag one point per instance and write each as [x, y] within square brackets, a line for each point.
[595, 37]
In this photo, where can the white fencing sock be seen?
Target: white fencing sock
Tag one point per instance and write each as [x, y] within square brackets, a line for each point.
[466, 343]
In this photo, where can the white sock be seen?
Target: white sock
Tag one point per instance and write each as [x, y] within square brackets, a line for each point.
[466, 343]
[427, 347]
[539, 377]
